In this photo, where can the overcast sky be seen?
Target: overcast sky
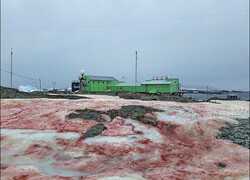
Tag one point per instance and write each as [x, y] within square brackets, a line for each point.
[201, 42]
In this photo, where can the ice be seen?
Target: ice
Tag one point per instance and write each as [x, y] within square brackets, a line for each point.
[121, 178]
[109, 139]
[27, 88]
[17, 141]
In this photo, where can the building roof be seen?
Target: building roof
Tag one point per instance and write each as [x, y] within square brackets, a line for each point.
[157, 82]
[102, 78]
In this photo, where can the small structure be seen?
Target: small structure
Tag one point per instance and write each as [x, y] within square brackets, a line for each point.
[75, 86]
[233, 97]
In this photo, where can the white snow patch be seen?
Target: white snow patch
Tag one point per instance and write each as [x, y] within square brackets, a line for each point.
[109, 139]
[19, 140]
[47, 135]
[27, 88]
[148, 133]
[121, 178]
[178, 115]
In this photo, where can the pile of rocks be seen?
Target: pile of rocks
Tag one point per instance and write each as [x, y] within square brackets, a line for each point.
[94, 130]
[154, 97]
[7, 93]
[135, 112]
[237, 133]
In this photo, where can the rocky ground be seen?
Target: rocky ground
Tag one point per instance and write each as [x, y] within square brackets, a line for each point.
[54, 94]
[237, 133]
[15, 93]
[154, 97]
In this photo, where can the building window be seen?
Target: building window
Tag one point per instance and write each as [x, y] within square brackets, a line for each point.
[93, 87]
[102, 87]
[117, 87]
[98, 88]
[120, 87]
[98, 82]
[102, 82]
[93, 82]
[132, 88]
[88, 82]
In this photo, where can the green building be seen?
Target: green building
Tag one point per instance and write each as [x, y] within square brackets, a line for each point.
[150, 86]
[96, 83]
[91, 83]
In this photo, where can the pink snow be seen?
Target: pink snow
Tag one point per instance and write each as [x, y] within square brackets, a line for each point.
[38, 141]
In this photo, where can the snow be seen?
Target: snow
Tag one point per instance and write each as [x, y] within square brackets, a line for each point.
[19, 140]
[120, 178]
[38, 139]
[109, 139]
[148, 133]
[27, 88]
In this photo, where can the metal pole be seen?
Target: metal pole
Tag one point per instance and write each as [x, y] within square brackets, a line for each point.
[40, 83]
[54, 84]
[135, 69]
[207, 91]
[11, 69]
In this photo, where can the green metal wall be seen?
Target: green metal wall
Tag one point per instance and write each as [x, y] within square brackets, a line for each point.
[117, 88]
[95, 85]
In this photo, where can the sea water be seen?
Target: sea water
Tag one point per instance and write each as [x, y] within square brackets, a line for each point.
[199, 96]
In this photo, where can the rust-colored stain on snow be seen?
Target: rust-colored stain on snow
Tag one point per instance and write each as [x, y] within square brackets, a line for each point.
[38, 141]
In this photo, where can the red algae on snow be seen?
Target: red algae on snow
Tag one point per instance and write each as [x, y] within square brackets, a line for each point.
[38, 141]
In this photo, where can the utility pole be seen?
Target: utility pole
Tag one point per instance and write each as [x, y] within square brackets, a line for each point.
[11, 54]
[135, 70]
[207, 91]
[40, 83]
[54, 84]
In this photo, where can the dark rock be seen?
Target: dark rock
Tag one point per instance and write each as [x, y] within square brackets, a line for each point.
[135, 112]
[169, 125]
[112, 113]
[87, 114]
[15, 93]
[237, 133]
[207, 147]
[154, 97]
[94, 130]
[170, 131]
[221, 164]
[147, 121]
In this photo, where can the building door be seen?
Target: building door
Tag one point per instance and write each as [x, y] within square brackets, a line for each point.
[147, 88]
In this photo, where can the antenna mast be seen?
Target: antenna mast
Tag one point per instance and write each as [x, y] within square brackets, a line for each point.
[135, 69]
[11, 54]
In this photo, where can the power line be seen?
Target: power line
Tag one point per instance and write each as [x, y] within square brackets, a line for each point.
[130, 23]
[19, 75]
[14, 62]
[4, 65]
